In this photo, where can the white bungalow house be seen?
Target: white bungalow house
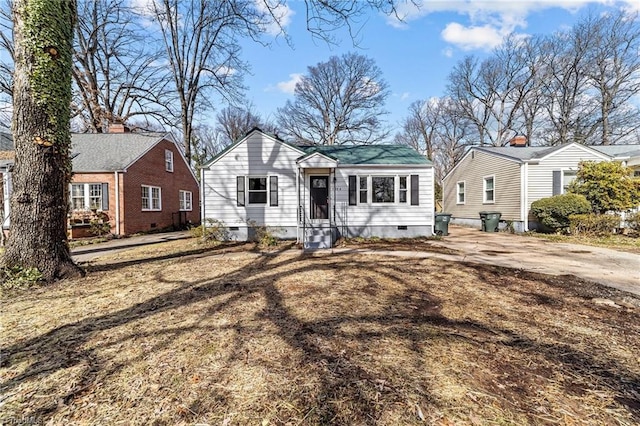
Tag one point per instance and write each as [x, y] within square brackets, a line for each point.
[508, 179]
[315, 194]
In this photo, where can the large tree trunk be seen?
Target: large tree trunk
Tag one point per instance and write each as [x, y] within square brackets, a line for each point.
[43, 35]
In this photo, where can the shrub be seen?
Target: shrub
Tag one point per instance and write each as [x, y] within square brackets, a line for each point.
[633, 222]
[608, 186]
[213, 230]
[593, 224]
[263, 235]
[554, 212]
[99, 224]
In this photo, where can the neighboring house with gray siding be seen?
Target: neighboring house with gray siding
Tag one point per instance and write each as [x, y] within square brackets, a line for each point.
[315, 194]
[508, 179]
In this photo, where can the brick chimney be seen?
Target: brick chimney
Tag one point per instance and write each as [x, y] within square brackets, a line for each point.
[518, 140]
[118, 128]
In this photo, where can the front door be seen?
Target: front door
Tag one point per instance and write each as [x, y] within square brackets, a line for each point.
[319, 197]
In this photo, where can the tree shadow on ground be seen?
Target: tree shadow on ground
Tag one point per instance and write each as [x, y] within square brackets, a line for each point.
[348, 390]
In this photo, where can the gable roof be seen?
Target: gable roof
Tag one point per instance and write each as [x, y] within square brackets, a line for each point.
[229, 148]
[110, 152]
[391, 155]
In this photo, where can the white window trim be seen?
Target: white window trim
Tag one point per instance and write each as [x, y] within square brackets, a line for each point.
[464, 186]
[563, 171]
[168, 160]
[249, 191]
[183, 200]
[366, 190]
[86, 195]
[149, 193]
[407, 189]
[484, 189]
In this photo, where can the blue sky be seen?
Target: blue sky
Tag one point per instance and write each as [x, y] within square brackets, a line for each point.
[415, 55]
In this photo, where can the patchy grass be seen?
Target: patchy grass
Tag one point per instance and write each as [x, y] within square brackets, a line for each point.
[626, 243]
[178, 334]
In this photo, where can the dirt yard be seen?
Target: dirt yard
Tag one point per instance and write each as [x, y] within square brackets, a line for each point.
[177, 334]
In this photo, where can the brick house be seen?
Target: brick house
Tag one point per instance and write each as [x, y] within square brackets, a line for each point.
[138, 182]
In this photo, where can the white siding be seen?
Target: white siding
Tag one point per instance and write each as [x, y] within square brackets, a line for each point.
[385, 214]
[258, 155]
[540, 179]
[472, 170]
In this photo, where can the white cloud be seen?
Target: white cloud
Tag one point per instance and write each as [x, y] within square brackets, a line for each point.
[472, 37]
[288, 86]
[489, 21]
[448, 52]
[280, 13]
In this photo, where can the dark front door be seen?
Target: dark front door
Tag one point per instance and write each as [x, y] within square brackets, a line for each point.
[319, 197]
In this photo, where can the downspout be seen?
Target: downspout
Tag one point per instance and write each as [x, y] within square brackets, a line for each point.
[524, 195]
[202, 207]
[298, 208]
[117, 197]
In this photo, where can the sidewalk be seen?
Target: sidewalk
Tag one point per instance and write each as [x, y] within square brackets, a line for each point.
[90, 252]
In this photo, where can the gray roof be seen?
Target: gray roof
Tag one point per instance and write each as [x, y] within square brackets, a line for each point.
[109, 152]
[618, 150]
[370, 154]
[525, 153]
[6, 140]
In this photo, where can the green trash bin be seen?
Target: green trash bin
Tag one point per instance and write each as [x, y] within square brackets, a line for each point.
[491, 221]
[483, 220]
[441, 226]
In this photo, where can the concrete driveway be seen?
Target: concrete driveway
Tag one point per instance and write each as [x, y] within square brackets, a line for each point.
[613, 268]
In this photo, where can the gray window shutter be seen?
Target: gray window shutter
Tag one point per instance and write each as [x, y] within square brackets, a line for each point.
[105, 196]
[240, 190]
[557, 182]
[273, 190]
[415, 190]
[353, 190]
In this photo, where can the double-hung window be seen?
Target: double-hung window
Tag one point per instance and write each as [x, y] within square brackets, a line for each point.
[168, 160]
[402, 191]
[88, 196]
[258, 190]
[489, 191]
[363, 190]
[460, 193]
[151, 198]
[186, 200]
[568, 176]
[383, 189]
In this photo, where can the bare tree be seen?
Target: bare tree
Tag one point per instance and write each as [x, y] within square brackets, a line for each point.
[420, 127]
[337, 102]
[201, 42]
[438, 129]
[612, 67]
[570, 111]
[233, 122]
[118, 75]
[474, 99]
[43, 36]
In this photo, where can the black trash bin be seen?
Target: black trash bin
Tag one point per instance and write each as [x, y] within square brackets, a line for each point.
[441, 226]
[490, 221]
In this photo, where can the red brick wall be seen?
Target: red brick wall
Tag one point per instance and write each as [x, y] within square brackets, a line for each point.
[102, 178]
[150, 170]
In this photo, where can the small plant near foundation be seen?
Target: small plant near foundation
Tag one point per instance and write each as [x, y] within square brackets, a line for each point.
[212, 230]
[262, 234]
